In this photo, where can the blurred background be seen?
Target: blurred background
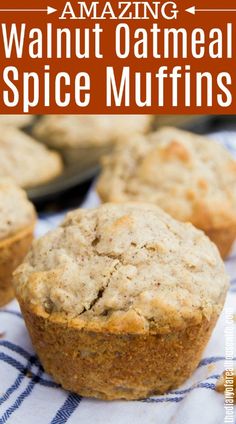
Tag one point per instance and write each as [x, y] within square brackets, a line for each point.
[81, 141]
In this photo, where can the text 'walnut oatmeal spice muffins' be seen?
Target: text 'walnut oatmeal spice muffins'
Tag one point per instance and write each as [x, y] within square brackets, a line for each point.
[26, 161]
[78, 136]
[123, 296]
[17, 219]
[190, 177]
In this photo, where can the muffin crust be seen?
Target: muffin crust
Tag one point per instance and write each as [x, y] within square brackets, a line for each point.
[17, 219]
[190, 177]
[12, 252]
[16, 212]
[117, 365]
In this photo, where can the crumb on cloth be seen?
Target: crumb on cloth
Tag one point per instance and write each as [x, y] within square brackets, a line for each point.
[227, 385]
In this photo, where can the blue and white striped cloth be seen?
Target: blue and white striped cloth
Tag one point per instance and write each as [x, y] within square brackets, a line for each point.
[28, 395]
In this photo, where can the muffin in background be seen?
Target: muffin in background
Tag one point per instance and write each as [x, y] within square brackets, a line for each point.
[190, 177]
[26, 161]
[16, 121]
[123, 296]
[79, 135]
[17, 221]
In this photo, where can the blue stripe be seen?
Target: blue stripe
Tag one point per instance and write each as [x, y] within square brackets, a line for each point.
[13, 362]
[17, 382]
[197, 386]
[15, 313]
[12, 389]
[161, 400]
[18, 349]
[211, 360]
[209, 386]
[67, 409]
[19, 400]
[47, 383]
[23, 370]
[200, 385]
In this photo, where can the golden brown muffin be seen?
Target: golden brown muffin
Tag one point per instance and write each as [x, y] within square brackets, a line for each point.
[122, 296]
[85, 130]
[80, 136]
[17, 219]
[16, 121]
[26, 161]
[190, 177]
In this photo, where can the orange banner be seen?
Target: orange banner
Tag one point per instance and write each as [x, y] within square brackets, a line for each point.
[118, 57]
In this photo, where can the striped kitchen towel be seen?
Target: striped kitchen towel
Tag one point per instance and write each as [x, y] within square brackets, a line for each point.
[28, 395]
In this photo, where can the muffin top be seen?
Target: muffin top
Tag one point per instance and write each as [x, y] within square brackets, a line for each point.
[123, 268]
[16, 212]
[63, 131]
[16, 121]
[190, 177]
[25, 160]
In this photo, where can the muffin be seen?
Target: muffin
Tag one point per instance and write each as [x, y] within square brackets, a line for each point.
[16, 121]
[17, 220]
[123, 297]
[79, 135]
[190, 177]
[26, 161]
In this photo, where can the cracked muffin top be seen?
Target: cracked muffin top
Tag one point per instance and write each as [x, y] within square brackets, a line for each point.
[63, 131]
[123, 268]
[16, 212]
[190, 177]
[26, 161]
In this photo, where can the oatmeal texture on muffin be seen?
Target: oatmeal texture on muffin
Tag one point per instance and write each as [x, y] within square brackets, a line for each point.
[124, 268]
[25, 160]
[65, 131]
[16, 121]
[190, 177]
[16, 212]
